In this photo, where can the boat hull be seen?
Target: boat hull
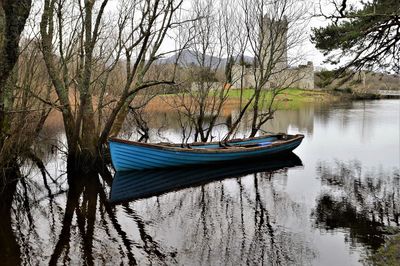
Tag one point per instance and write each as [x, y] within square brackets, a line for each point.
[128, 156]
[133, 185]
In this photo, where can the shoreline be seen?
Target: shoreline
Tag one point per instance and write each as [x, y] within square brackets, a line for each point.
[290, 99]
[364, 95]
[287, 100]
[388, 253]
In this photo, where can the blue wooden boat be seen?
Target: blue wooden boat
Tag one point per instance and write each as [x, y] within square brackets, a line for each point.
[134, 185]
[130, 155]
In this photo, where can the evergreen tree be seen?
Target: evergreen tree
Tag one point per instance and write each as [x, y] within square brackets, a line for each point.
[369, 36]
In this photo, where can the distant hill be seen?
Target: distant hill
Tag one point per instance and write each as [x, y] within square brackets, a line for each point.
[189, 57]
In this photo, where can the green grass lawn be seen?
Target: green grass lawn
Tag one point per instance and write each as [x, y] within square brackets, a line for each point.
[291, 98]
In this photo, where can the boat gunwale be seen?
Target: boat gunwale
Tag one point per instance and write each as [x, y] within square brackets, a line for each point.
[218, 142]
[228, 149]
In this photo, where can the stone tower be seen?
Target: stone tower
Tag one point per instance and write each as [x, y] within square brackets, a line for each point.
[274, 43]
[274, 49]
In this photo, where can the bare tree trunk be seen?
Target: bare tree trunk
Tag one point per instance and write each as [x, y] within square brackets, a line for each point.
[119, 120]
[13, 15]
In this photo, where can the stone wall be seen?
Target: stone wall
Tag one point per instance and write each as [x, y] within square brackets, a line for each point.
[206, 86]
[301, 77]
[242, 77]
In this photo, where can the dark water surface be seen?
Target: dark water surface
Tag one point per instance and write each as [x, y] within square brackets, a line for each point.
[326, 206]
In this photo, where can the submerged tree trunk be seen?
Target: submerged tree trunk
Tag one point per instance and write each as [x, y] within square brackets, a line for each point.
[256, 107]
[79, 121]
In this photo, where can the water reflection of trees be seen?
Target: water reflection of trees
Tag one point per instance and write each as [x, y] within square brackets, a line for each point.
[79, 226]
[9, 247]
[303, 119]
[235, 221]
[347, 114]
[361, 202]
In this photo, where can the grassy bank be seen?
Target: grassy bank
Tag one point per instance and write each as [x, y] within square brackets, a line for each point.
[349, 94]
[389, 254]
[290, 98]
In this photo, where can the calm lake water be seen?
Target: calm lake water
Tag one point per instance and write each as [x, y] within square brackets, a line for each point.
[326, 205]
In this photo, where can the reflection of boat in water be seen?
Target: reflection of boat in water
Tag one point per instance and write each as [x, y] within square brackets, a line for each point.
[133, 185]
[131, 155]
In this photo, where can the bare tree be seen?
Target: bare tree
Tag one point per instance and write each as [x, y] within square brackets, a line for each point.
[81, 60]
[272, 28]
[21, 116]
[211, 38]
